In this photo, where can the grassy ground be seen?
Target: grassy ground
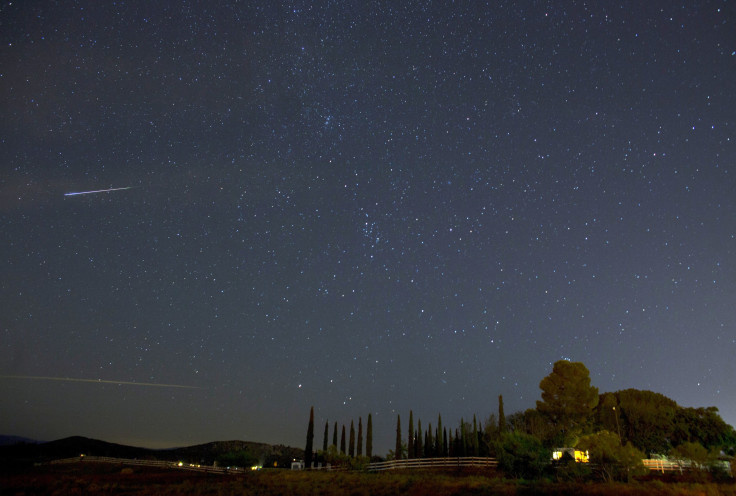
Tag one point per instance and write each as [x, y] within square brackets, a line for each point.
[99, 479]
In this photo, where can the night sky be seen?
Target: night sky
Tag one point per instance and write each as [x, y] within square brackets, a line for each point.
[368, 206]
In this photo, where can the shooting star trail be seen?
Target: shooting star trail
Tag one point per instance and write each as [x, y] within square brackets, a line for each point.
[96, 381]
[96, 191]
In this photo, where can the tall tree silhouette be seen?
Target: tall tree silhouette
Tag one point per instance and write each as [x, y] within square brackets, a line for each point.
[501, 416]
[397, 451]
[369, 438]
[308, 450]
[324, 440]
[351, 445]
[418, 452]
[429, 443]
[334, 436]
[445, 443]
[440, 441]
[475, 436]
[463, 438]
[410, 439]
[360, 436]
[342, 440]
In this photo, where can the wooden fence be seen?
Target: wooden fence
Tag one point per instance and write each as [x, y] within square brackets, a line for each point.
[412, 463]
[424, 463]
[684, 466]
[664, 465]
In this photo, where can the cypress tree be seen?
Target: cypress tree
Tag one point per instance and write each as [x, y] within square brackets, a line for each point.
[437, 442]
[463, 439]
[428, 442]
[308, 450]
[369, 438]
[444, 442]
[351, 446]
[418, 453]
[334, 436]
[342, 440]
[410, 440]
[360, 436]
[397, 451]
[501, 416]
[324, 441]
[450, 445]
[440, 442]
[475, 436]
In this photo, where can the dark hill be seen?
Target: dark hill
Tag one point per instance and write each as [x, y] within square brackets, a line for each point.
[267, 454]
[67, 448]
[13, 440]
[205, 454]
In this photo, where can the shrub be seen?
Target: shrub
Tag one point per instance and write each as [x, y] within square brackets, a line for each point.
[522, 456]
[613, 460]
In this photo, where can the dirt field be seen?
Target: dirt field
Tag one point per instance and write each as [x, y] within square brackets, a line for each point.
[110, 479]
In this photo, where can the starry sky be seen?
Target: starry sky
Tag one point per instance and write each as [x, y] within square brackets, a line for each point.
[368, 207]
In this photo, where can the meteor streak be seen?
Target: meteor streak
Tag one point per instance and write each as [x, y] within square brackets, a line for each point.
[96, 191]
[96, 381]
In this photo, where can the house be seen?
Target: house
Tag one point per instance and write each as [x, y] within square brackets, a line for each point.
[574, 454]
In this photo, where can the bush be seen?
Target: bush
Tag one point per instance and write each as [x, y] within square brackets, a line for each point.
[571, 471]
[522, 456]
[613, 460]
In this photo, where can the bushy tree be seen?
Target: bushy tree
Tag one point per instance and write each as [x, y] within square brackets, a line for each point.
[521, 455]
[646, 419]
[531, 422]
[569, 470]
[397, 455]
[612, 459]
[694, 453]
[568, 401]
[655, 423]
[704, 426]
[607, 414]
[335, 457]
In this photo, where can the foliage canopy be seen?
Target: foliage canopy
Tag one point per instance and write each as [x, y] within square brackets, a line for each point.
[568, 400]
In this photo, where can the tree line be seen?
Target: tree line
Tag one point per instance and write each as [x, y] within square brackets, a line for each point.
[350, 450]
[617, 429]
